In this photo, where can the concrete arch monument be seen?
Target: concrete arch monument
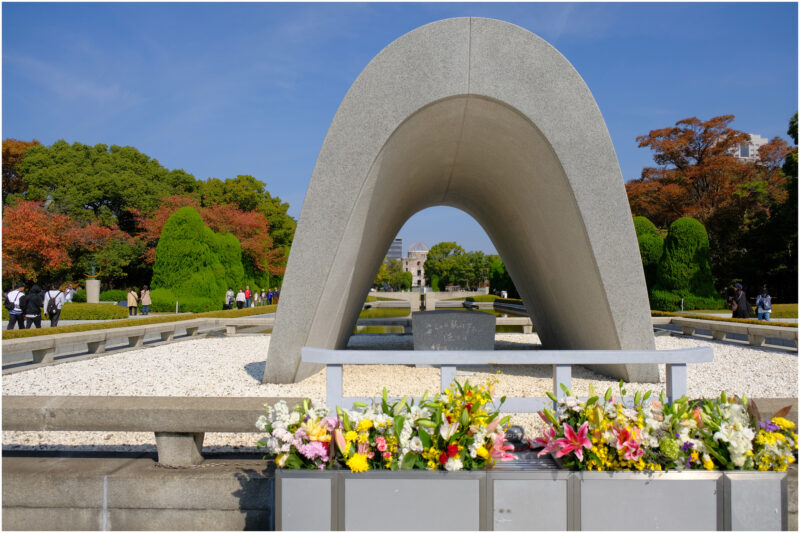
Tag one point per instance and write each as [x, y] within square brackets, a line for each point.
[484, 116]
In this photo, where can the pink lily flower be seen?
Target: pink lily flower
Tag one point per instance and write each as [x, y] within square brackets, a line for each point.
[548, 440]
[341, 443]
[574, 442]
[499, 449]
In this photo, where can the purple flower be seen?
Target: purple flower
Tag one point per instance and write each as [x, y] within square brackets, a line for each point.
[687, 446]
[330, 422]
[313, 449]
[769, 425]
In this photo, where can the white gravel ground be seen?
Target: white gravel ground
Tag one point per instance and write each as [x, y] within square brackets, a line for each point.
[233, 366]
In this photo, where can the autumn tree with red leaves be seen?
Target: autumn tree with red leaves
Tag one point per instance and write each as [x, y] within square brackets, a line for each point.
[39, 245]
[13, 151]
[697, 176]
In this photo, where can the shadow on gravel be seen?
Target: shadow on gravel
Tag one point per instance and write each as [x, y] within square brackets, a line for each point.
[256, 370]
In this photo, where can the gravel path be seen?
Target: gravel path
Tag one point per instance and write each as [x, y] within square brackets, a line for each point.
[233, 366]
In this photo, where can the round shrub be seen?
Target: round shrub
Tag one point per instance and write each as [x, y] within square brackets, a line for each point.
[187, 262]
[79, 296]
[685, 269]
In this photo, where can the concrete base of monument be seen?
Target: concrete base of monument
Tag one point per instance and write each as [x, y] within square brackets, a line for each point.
[535, 499]
[133, 493]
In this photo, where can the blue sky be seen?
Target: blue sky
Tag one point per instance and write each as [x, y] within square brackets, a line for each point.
[251, 88]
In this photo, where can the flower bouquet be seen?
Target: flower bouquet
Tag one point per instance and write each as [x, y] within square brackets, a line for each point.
[710, 434]
[459, 429]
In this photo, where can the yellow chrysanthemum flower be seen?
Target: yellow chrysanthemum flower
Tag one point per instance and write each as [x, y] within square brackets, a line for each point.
[358, 463]
[350, 436]
[783, 423]
[364, 425]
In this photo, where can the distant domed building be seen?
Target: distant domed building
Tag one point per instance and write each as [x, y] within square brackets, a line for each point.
[415, 263]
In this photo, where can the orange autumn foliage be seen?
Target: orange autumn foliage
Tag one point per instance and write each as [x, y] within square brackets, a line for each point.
[250, 227]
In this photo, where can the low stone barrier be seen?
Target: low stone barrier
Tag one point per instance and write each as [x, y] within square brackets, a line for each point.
[756, 333]
[179, 423]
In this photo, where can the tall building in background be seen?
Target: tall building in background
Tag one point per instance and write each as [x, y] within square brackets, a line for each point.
[415, 263]
[749, 152]
[395, 250]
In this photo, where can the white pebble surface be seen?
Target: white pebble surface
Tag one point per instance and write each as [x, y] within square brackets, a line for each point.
[233, 367]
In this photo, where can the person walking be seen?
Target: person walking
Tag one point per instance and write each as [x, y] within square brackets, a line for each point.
[146, 301]
[240, 299]
[69, 292]
[256, 298]
[15, 315]
[263, 297]
[133, 302]
[275, 294]
[269, 297]
[53, 302]
[32, 307]
[247, 295]
[229, 299]
[763, 304]
[739, 304]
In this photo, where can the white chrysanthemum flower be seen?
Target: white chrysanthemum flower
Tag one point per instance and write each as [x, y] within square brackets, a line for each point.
[453, 464]
[261, 423]
[416, 445]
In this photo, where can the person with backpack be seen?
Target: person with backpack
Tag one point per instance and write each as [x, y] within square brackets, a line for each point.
[53, 302]
[31, 305]
[13, 303]
[764, 304]
[133, 302]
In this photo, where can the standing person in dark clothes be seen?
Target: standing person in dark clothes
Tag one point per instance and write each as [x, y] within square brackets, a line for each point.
[739, 304]
[32, 307]
[763, 304]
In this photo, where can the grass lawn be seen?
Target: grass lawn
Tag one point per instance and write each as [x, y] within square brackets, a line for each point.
[778, 311]
[385, 312]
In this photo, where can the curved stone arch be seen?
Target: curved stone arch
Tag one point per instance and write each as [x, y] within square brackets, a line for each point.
[487, 117]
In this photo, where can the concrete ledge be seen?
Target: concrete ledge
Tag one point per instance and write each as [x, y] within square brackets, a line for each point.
[133, 413]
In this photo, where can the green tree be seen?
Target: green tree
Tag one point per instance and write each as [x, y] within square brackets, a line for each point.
[684, 271]
[499, 279]
[248, 194]
[98, 182]
[446, 262]
[651, 247]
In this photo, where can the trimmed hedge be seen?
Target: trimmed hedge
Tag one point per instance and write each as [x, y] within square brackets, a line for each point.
[724, 319]
[233, 313]
[385, 312]
[83, 311]
[113, 295]
[482, 298]
[79, 296]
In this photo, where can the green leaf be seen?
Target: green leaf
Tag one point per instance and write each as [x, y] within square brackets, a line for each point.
[425, 438]
[398, 425]
[399, 406]
[636, 398]
[424, 397]
[608, 395]
[502, 400]
[591, 401]
[551, 396]
[464, 419]
[621, 384]
[504, 420]
[723, 397]
[646, 395]
[424, 422]
[409, 459]
[460, 388]
[565, 389]
[359, 404]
